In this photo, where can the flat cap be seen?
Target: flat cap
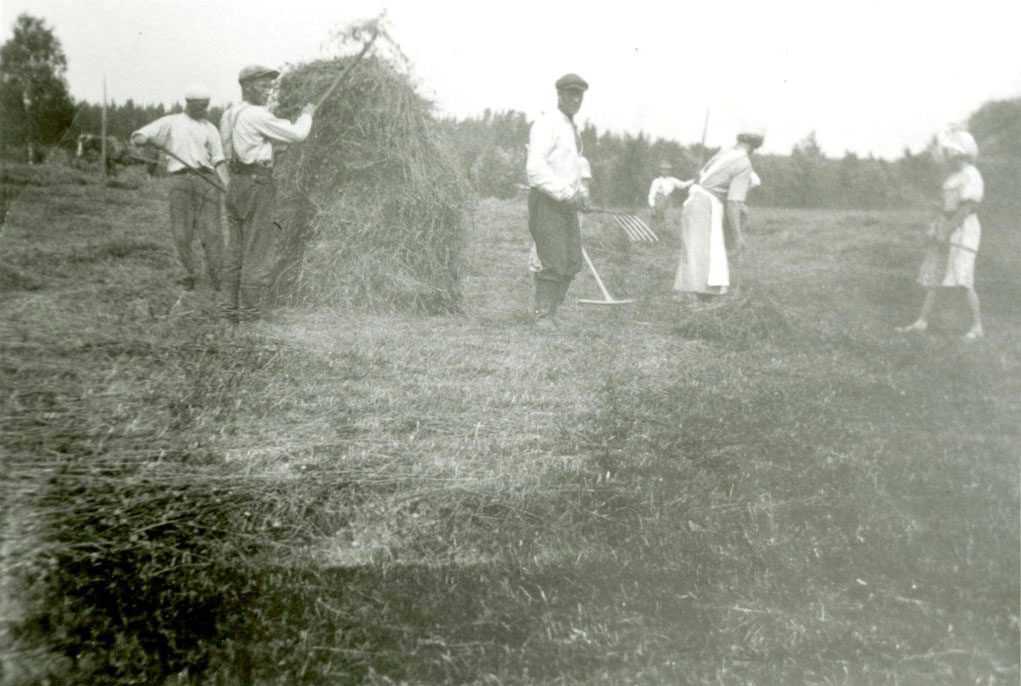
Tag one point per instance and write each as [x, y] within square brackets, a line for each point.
[571, 82]
[256, 71]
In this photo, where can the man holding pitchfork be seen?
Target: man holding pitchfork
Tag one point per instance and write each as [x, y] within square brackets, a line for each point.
[193, 146]
[248, 130]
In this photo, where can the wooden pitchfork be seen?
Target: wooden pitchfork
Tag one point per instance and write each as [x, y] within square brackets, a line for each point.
[636, 230]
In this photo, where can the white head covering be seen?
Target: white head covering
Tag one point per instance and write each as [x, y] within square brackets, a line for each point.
[196, 91]
[958, 142]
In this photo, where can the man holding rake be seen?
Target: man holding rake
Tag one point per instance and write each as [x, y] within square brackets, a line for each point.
[556, 194]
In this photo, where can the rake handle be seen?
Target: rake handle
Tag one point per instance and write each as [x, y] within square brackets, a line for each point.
[599, 281]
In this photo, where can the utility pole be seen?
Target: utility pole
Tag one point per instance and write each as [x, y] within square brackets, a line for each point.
[102, 140]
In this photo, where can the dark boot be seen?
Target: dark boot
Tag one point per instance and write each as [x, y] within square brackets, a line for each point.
[545, 298]
[560, 293]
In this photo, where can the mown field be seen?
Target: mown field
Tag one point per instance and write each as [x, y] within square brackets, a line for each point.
[774, 490]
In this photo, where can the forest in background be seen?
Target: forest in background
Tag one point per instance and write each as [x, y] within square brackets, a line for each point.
[42, 122]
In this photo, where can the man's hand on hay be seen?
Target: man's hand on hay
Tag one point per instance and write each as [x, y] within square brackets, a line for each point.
[308, 109]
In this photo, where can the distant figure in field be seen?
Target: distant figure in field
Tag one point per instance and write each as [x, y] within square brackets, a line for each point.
[556, 194]
[248, 130]
[194, 202]
[712, 219]
[954, 235]
[660, 191]
[118, 154]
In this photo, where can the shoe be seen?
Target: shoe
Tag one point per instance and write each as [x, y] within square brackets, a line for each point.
[545, 323]
[188, 282]
[917, 326]
[974, 333]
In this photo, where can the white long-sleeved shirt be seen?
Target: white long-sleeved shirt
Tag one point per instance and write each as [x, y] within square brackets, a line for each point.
[664, 185]
[553, 164]
[248, 132]
[193, 140]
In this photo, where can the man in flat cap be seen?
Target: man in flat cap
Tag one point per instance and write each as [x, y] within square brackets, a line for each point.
[556, 194]
[194, 150]
[248, 130]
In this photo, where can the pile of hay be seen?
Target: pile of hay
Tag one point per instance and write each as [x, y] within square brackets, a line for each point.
[741, 322]
[373, 209]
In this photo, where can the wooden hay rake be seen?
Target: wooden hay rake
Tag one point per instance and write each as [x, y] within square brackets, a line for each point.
[636, 230]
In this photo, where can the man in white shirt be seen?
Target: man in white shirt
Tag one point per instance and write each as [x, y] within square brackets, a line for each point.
[194, 202]
[556, 195]
[660, 191]
[248, 130]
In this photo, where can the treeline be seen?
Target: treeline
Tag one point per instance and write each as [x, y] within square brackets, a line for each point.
[122, 119]
[491, 150]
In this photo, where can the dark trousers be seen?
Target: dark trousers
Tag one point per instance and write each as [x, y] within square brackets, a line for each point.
[195, 208]
[557, 235]
[251, 242]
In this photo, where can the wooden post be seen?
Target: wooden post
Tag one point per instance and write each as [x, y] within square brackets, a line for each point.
[705, 130]
[102, 140]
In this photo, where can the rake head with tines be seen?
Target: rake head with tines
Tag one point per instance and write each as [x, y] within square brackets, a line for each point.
[637, 230]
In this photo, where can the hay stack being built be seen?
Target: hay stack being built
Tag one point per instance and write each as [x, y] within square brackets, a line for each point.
[373, 211]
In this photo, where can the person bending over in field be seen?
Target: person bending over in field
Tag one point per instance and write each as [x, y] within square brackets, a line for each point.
[555, 196]
[195, 151]
[712, 218]
[248, 130]
[954, 235]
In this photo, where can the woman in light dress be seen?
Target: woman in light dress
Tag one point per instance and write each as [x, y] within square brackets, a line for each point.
[712, 218]
[954, 235]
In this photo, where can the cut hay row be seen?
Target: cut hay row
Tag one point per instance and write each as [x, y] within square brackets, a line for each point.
[373, 209]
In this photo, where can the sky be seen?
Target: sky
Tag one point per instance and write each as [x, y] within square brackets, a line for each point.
[868, 77]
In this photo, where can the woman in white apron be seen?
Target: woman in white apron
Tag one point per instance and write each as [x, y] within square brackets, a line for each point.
[713, 209]
[954, 235]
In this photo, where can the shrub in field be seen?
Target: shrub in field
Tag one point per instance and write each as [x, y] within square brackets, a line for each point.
[373, 207]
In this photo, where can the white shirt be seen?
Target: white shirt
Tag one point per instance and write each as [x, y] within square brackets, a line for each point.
[664, 185]
[193, 140]
[553, 159]
[960, 186]
[248, 132]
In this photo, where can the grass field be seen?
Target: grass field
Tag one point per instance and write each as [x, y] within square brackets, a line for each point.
[774, 490]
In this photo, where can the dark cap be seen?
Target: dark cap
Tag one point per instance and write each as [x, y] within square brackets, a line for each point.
[256, 71]
[571, 82]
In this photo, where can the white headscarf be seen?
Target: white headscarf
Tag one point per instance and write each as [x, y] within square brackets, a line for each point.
[957, 141]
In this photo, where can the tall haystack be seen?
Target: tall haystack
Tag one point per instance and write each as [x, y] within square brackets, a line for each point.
[373, 210]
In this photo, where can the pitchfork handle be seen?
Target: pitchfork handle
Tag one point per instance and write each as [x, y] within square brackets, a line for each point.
[343, 74]
[191, 169]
